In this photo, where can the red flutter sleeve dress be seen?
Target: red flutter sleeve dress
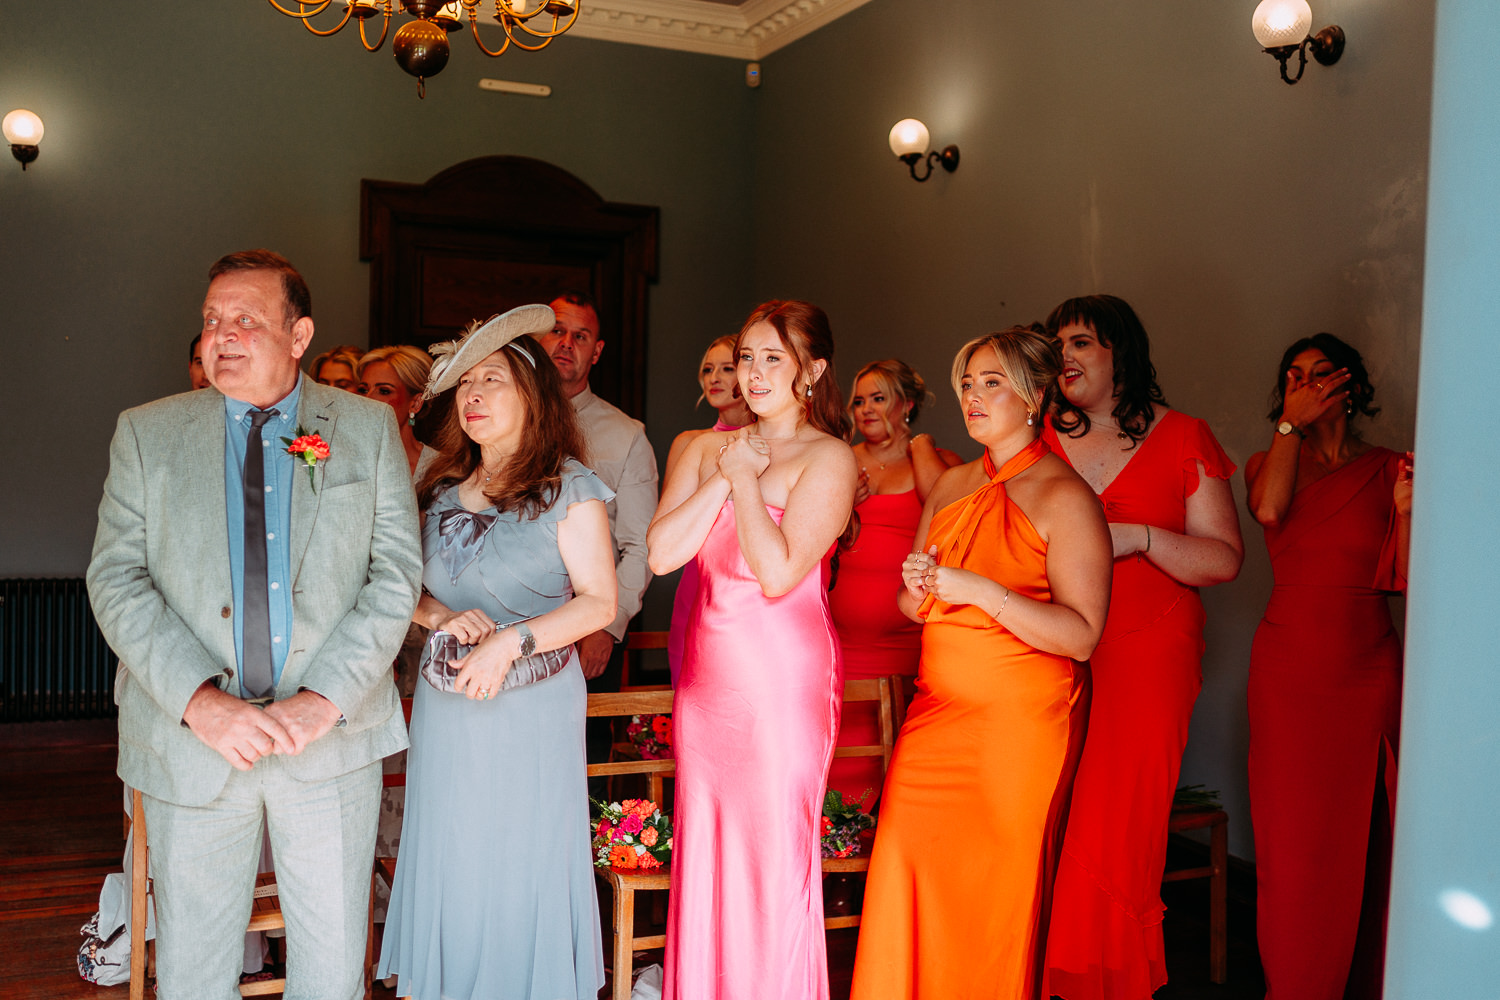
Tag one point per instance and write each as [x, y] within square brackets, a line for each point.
[1105, 941]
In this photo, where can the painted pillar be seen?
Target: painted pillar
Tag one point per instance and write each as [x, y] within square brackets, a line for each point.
[1444, 936]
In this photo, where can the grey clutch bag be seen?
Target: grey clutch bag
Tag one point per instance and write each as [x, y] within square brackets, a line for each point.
[443, 647]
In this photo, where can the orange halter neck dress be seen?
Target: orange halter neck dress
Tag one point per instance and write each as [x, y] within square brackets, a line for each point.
[972, 814]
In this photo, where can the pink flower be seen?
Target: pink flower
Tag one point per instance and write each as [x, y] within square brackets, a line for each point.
[631, 823]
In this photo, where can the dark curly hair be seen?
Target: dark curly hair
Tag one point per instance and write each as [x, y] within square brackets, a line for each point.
[1361, 392]
[1136, 390]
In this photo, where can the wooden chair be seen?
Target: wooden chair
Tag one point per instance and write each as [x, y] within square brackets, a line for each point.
[636, 642]
[1217, 873]
[265, 915]
[625, 884]
[886, 691]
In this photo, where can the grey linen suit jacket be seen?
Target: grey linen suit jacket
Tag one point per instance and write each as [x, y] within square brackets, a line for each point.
[160, 585]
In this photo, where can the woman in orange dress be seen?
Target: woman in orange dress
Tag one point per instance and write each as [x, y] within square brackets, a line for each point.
[897, 470]
[1325, 679]
[1164, 483]
[1011, 578]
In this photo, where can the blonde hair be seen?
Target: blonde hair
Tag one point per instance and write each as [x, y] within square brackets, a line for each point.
[727, 342]
[343, 354]
[896, 379]
[1032, 363]
[411, 365]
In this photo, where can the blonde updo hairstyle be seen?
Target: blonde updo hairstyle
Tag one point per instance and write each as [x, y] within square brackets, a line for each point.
[411, 365]
[1031, 362]
[898, 380]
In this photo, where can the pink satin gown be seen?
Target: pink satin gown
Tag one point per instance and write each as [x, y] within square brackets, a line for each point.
[755, 713]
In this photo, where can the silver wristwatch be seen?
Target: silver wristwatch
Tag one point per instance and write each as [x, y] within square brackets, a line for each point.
[1287, 427]
[528, 641]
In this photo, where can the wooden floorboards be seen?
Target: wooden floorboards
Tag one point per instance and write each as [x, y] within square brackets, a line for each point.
[61, 832]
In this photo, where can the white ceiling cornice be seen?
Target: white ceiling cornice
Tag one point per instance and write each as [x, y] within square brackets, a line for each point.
[748, 31]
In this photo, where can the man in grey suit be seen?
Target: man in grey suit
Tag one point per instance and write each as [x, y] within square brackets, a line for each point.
[257, 600]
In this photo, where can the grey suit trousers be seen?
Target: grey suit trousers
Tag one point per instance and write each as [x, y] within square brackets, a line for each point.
[203, 859]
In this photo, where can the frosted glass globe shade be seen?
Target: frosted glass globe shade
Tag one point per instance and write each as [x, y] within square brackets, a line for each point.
[22, 128]
[1281, 22]
[909, 136]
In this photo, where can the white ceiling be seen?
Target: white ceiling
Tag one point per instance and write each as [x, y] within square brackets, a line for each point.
[741, 29]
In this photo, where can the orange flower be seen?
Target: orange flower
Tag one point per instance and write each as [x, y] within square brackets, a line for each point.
[305, 443]
[648, 836]
[644, 808]
[648, 862]
[622, 856]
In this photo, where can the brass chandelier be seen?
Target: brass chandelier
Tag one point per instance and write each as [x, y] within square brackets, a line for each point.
[421, 45]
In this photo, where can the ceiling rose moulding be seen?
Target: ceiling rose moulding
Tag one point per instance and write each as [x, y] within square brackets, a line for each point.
[749, 30]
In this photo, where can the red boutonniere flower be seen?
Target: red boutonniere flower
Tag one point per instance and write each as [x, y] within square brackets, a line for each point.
[311, 448]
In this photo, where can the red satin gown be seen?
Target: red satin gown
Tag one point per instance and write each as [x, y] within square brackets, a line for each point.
[1325, 707]
[754, 716]
[877, 639]
[1106, 938]
[973, 809]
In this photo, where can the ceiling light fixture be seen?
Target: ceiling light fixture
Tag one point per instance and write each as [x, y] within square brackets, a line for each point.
[1281, 27]
[421, 45]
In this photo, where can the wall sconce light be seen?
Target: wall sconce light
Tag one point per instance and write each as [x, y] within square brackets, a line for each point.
[909, 142]
[23, 130]
[1281, 27]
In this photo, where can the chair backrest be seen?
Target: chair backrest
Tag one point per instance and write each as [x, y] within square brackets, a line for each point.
[623, 704]
[885, 692]
[637, 642]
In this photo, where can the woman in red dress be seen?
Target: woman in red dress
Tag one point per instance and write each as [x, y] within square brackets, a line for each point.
[896, 471]
[1164, 483]
[1325, 679]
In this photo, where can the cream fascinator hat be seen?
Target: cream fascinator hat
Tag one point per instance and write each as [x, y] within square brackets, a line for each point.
[480, 340]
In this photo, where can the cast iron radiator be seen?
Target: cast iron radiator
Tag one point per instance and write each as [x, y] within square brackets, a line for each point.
[54, 662]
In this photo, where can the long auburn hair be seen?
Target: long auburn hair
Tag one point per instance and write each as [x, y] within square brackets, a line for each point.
[804, 331]
[530, 480]
[1136, 390]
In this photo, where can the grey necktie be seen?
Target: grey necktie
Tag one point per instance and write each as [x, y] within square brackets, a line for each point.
[257, 676]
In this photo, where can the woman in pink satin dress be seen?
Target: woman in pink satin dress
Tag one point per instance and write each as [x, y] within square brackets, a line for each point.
[716, 376]
[757, 701]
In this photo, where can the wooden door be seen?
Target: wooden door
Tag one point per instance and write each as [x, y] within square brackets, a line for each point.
[500, 231]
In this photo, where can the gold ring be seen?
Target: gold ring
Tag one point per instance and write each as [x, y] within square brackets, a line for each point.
[1317, 385]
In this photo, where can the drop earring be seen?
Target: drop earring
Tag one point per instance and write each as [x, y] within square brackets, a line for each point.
[1030, 418]
[809, 390]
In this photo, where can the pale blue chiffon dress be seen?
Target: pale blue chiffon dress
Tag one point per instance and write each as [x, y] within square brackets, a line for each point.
[494, 892]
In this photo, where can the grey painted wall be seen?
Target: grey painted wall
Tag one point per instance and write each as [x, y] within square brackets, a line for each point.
[255, 133]
[1148, 150]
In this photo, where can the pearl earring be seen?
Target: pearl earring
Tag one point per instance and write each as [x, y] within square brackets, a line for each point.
[809, 390]
[411, 420]
[1030, 418]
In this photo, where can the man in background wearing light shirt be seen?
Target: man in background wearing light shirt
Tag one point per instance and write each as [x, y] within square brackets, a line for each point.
[622, 457]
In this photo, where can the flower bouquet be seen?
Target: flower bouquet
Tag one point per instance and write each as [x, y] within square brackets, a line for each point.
[651, 735]
[843, 821]
[632, 834]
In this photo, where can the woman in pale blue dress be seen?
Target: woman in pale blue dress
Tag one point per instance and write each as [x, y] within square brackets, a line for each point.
[494, 890]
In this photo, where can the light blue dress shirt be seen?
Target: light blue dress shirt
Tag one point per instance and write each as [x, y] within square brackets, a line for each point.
[280, 468]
